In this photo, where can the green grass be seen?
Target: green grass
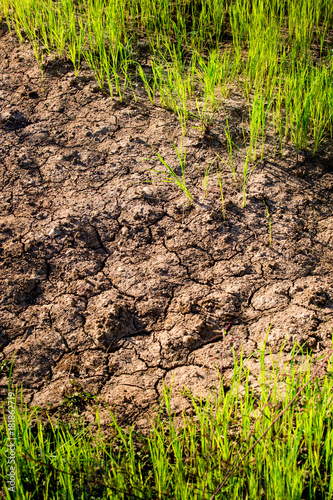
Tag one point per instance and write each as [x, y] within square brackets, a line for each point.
[273, 443]
[273, 44]
[276, 53]
[170, 176]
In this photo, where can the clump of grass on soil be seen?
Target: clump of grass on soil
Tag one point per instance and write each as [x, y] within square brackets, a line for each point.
[273, 443]
[192, 56]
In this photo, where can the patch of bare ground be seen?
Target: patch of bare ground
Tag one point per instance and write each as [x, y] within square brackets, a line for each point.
[120, 284]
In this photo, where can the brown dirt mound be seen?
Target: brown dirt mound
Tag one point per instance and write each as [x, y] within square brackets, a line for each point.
[121, 285]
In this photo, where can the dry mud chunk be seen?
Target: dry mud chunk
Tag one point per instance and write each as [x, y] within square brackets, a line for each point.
[148, 349]
[12, 120]
[293, 324]
[240, 265]
[37, 316]
[128, 240]
[11, 325]
[36, 134]
[174, 346]
[197, 262]
[126, 361]
[81, 365]
[35, 354]
[76, 263]
[313, 293]
[325, 232]
[139, 213]
[220, 305]
[66, 313]
[212, 355]
[271, 297]
[89, 286]
[137, 390]
[55, 171]
[144, 279]
[108, 318]
[152, 308]
[13, 227]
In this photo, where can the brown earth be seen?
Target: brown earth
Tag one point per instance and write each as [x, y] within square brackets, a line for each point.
[121, 285]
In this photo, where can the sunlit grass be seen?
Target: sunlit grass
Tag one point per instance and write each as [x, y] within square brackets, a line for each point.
[274, 442]
[170, 175]
[280, 58]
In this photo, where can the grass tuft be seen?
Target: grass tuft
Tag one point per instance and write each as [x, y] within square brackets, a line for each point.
[272, 439]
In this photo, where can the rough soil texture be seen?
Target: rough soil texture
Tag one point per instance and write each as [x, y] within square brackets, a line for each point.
[121, 285]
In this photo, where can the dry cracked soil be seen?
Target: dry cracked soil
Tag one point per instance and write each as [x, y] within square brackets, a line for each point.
[117, 285]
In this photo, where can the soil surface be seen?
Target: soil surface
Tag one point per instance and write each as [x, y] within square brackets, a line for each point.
[121, 285]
